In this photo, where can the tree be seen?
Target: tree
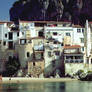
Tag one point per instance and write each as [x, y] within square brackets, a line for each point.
[12, 66]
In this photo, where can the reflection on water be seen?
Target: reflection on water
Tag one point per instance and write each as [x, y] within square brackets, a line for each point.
[74, 86]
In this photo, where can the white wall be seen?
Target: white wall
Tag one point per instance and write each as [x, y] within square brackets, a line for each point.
[72, 68]
[77, 36]
[24, 26]
[61, 32]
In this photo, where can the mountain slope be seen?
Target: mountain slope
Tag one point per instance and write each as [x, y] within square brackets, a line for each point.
[76, 11]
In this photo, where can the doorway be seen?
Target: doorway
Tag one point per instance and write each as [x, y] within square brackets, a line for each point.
[10, 44]
[10, 35]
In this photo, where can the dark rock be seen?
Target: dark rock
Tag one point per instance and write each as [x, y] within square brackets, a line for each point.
[76, 11]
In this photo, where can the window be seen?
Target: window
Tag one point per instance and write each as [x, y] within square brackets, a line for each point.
[4, 43]
[28, 54]
[10, 45]
[41, 34]
[54, 33]
[33, 63]
[82, 30]
[47, 41]
[42, 56]
[5, 35]
[55, 42]
[62, 44]
[82, 40]
[82, 48]
[49, 54]
[91, 61]
[22, 41]
[79, 30]
[10, 35]
[57, 53]
[53, 63]
[17, 33]
[68, 34]
[22, 33]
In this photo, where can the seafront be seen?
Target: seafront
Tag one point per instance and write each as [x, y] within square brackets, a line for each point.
[26, 80]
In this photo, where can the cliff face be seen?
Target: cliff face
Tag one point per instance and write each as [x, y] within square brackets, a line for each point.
[76, 11]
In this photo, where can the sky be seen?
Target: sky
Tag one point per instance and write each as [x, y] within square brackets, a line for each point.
[5, 5]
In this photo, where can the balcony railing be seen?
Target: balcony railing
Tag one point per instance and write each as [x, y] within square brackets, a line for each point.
[74, 61]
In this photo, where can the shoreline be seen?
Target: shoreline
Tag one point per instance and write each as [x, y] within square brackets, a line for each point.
[31, 80]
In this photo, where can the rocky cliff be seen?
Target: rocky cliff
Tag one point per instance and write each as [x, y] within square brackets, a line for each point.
[76, 11]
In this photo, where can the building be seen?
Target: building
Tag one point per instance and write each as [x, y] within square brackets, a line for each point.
[45, 48]
[88, 44]
[36, 64]
[73, 59]
[7, 41]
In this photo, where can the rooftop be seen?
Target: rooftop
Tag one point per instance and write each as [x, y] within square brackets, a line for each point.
[77, 26]
[72, 47]
[38, 38]
[46, 21]
[8, 22]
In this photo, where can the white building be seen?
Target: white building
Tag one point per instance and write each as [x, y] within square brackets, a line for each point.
[27, 29]
[73, 35]
[78, 36]
[62, 36]
[88, 44]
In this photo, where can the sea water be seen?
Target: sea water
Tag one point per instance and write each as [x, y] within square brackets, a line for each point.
[72, 86]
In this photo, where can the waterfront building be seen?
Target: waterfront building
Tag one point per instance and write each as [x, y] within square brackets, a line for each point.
[43, 48]
[7, 41]
[73, 59]
[88, 44]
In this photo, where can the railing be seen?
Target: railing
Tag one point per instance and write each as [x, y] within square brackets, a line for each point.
[74, 61]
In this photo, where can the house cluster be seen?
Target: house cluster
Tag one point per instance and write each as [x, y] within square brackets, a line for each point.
[46, 48]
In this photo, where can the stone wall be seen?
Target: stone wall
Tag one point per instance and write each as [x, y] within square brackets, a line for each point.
[37, 69]
[72, 68]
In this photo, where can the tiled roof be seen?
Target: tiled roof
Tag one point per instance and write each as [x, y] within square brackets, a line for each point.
[90, 22]
[72, 47]
[2, 22]
[46, 21]
[77, 26]
[38, 38]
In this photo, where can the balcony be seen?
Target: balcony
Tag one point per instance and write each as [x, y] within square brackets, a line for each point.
[39, 47]
[74, 61]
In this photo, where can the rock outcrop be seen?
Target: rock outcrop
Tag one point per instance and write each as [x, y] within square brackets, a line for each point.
[76, 11]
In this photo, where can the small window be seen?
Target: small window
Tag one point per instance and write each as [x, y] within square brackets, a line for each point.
[4, 43]
[91, 61]
[5, 35]
[57, 53]
[82, 30]
[22, 33]
[54, 33]
[53, 63]
[42, 56]
[82, 48]
[47, 41]
[33, 63]
[68, 34]
[55, 42]
[62, 44]
[79, 30]
[28, 54]
[17, 33]
[41, 34]
[23, 41]
[82, 40]
[10, 35]
[49, 54]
